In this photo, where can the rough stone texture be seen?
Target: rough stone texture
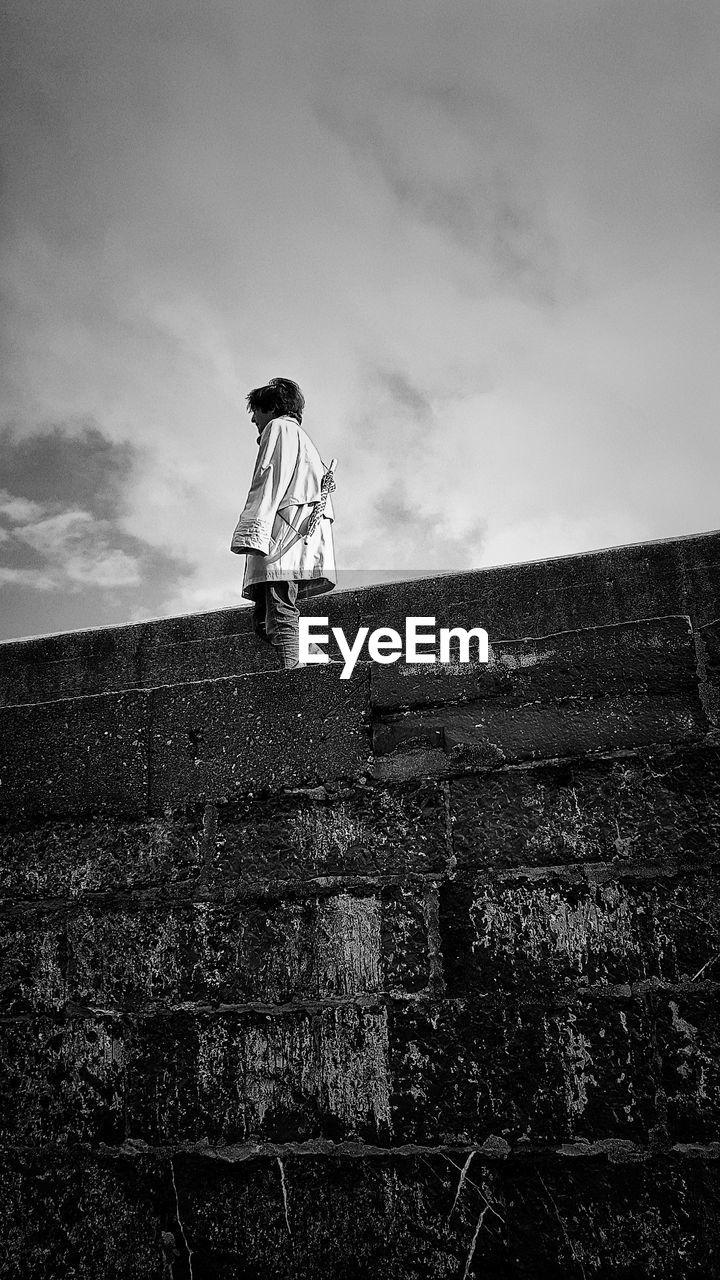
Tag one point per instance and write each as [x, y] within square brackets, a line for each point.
[657, 655]
[78, 756]
[72, 1214]
[678, 576]
[299, 833]
[245, 1077]
[144, 957]
[97, 856]
[346, 830]
[547, 935]
[523, 1070]
[661, 805]
[62, 1079]
[400, 1216]
[411, 975]
[608, 1066]
[602, 688]
[708, 640]
[689, 1050]
[487, 734]
[218, 738]
[410, 1217]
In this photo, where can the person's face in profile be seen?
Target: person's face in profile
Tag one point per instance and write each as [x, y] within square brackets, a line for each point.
[260, 419]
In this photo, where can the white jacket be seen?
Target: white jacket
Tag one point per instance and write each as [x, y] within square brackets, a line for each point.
[274, 521]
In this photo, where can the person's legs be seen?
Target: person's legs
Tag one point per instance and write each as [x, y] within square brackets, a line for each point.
[281, 620]
[260, 612]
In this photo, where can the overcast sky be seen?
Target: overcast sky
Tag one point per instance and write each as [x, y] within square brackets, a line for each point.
[483, 235]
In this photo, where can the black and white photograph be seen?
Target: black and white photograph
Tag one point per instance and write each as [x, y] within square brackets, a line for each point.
[359, 640]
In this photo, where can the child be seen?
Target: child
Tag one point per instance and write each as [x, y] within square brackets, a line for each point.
[287, 557]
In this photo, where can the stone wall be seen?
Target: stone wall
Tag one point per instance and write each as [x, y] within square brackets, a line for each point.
[411, 975]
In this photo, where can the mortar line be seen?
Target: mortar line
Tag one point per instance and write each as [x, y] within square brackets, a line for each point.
[578, 995]
[618, 1150]
[225, 896]
[229, 893]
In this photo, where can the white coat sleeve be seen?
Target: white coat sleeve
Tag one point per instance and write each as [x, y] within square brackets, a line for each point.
[274, 470]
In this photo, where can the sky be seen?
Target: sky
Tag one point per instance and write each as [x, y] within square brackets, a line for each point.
[483, 236]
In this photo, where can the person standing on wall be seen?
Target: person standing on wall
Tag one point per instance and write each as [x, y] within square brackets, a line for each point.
[285, 529]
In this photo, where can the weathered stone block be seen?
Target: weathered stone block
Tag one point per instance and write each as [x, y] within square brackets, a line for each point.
[340, 1215]
[142, 957]
[532, 935]
[521, 1070]
[652, 656]
[208, 658]
[71, 665]
[410, 1216]
[100, 855]
[688, 1040]
[81, 755]
[234, 1078]
[219, 738]
[658, 805]
[75, 1215]
[61, 1080]
[350, 830]
[488, 733]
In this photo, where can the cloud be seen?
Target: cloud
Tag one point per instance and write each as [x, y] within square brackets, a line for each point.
[60, 560]
[74, 462]
[18, 510]
[79, 548]
[35, 579]
[414, 535]
[463, 161]
[405, 394]
[480, 244]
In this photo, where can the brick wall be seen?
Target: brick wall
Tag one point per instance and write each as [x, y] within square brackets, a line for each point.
[410, 975]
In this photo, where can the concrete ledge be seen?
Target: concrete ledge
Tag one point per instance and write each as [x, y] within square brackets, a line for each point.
[656, 655]
[147, 750]
[645, 580]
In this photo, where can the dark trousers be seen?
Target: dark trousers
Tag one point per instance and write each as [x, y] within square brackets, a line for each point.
[275, 618]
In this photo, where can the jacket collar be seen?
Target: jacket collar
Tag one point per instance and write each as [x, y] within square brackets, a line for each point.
[282, 417]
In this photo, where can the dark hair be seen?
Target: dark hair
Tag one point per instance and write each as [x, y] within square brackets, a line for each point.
[281, 396]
